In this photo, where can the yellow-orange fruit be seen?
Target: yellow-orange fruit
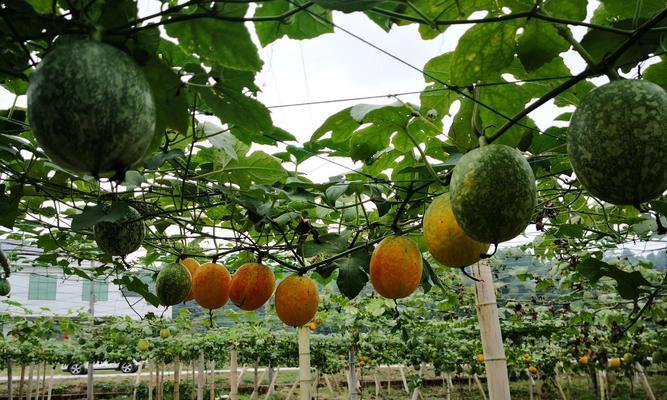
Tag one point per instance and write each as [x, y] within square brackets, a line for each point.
[252, 286]
[583, 360]
[296, 300]
[615, 362]
[480, 357]
[312, 326]
[532, 370]
[445, 239]
[396, 267]
[191, 264]
[211, 285]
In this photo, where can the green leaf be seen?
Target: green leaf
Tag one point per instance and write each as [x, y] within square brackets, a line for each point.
[569, 9]
[156, 160]
[41, 6]
[657, 73]
[91, 215]
[333, 192]
[341, 126]
[384, 121]
[133, 179]
[539, 44]
[570, 230]
[615, 10]
[9, 205]
[628, 283]
[136, 285]
[437, 96]
[600, 44]
[248, 115]
[352, 276]
[660, 206]
[461, 133]
[225, 43]
[482, 52]
[170, 97]
[302, 25]
[348, 5]
[258, 168]
[326, 245]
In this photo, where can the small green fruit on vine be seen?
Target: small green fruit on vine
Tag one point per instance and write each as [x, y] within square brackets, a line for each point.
[617, 140]
[121, 237]
[165, 333]
[173, 284]
[5, 287]
[91, 108]
[143, 345]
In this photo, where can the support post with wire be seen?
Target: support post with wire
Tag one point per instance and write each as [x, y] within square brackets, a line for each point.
[489, 327]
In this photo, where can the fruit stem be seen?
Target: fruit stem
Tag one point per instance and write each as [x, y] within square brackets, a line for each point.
[96, 35]
[482, 141]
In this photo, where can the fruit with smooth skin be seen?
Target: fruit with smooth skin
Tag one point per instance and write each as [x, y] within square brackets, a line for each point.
[615, 362]
[526, 357]
[493, 193]
[165, 333]
[91, 108]
[211, 285]
[616, 142]
[396, 267]
[657, 357]
[532, 370]
[296, 300]
[191, 264]
[312, 326]
[445, 239]
[480, 357]
[5, 287]
[143, 345]
[173, 284]
[583, 360]
[121, 237]
[628, 358]
[252, 286]
[4, 263]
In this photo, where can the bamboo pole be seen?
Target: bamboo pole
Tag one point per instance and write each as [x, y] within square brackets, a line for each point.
[558, 385]
[193, 379]
[177, 378]
[201, 376]
[448, 383]
[272, 385]
[136, 381]
[28, 394]
[489, 326]
[50, 389]
[479, 386]
[531, 385]
[405, 381]
[644, 380]
[328, 383]
[351, 375]
[233, 374]
[291, 391]
[150, 382]
[43, 396]
[212, 383]
[255, 386]
[240, 379]
[305, 378]
[21, 382]
[10, 388]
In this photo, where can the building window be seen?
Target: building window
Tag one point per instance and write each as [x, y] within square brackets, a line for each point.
[42, 287]
[101, 291]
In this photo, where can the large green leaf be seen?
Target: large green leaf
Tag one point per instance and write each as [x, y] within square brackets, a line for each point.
[383, 122]
[539, 44]
[570, 9]
[657, 73]
[225, 43]
[302, 25]
[352, 275]
[257, 168]
[91, 215]
[630, 285]
[348, 5]
[482, 52]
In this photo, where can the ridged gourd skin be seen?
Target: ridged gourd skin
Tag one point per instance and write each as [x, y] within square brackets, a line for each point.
[493, 193]
[617, 140]
[173, 283]
[396, 267]
[91, 108]
[445, 239]
[121, 237]
[211, 285]
[191, 264]
[252, 286]
[296, 300]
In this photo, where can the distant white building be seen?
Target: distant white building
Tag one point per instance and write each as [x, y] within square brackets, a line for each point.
[47, 291]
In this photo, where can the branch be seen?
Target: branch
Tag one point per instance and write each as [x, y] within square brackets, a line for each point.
[646, 306]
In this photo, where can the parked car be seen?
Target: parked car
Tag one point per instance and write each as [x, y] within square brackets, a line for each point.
[127, 367]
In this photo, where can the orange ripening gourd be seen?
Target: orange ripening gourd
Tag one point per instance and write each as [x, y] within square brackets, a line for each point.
[211, 285]
[252, 286]
[191, 264]
[445, 239]
[296, 300]
[396, 267]
[532, 370]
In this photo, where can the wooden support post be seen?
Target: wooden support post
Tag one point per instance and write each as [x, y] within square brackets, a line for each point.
[272, 384]
[558, 386]
[305, 378]
[233, 374]
[479, 386]
[28, 392]
[255, 386]
[201, 376]
[150, 382]
[291, 391]
[351, 375]
[531, 385]
[43, 396]
[21, 382]
[177, 378]
[405, 381]
[137, 379]
[644, 380]
[211, 394]
[50, 389]
[489, 326]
